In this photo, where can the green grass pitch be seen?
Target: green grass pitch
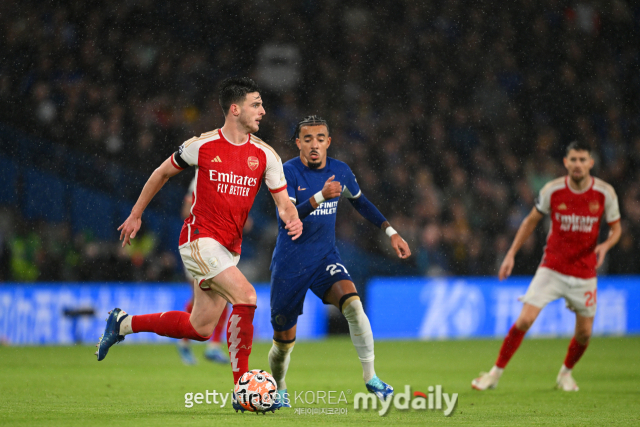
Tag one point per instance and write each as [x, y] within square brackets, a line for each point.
[144, 385]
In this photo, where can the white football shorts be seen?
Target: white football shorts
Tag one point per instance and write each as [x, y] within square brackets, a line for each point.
[549, 285]
[205, 258]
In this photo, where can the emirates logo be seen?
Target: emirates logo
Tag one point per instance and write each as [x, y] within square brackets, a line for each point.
[253, 162]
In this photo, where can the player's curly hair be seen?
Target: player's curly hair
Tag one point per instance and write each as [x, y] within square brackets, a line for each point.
[233, 90]
[312, 120]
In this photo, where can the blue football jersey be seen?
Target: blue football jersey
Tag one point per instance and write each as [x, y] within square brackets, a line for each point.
[318, 239]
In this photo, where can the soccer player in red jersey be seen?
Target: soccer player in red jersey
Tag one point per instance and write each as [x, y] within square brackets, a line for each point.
[576, 204]
[230, 164]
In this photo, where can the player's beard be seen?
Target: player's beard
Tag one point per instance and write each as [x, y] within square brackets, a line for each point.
[312, 165]
[578, 180]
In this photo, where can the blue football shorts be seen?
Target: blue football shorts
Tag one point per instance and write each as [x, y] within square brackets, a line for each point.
[287, 293]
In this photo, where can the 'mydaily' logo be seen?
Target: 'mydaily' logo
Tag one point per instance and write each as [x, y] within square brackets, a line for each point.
[575, 222]
[232, 184]
[404, 401]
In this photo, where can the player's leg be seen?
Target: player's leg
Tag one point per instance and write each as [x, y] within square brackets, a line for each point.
[184, 345]
[581, 298]
[545, 287]
[279, 359]
[174, 324]
[235, 288]
[489, 380]
[208, 305]
[287, 300]
[577, 347]
[214, 352]
[344, 296]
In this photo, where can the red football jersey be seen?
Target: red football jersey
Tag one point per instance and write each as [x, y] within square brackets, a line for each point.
[228, 177]
[575, 224]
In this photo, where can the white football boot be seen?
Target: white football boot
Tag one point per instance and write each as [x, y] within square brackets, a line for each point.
[566, 382]
[485, 381]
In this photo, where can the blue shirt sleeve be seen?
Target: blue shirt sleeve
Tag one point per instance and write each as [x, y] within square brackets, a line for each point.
[368, 210]
[304, 209]
[351, 188]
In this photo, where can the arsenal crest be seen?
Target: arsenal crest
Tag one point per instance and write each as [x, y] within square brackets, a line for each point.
[253, 162]
[594, 206]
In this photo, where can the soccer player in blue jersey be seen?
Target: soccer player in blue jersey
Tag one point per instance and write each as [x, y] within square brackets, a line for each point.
[315, 183]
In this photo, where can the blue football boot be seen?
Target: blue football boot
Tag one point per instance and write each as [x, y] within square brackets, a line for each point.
[379, 388]
[282, 400]
[111, 334]
[186, 355]
[277, 404]
[216, 355]
[235, 404]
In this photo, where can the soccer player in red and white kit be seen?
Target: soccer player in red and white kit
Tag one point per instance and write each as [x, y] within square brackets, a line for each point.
[230, 164]
[576, 204]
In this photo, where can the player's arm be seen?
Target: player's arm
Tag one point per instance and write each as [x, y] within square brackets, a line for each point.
[612, 216]
[615, 230]
[186, 206]
[526, 228]
[369, 211]
[288, 214]
[330, 190]
[158, 178]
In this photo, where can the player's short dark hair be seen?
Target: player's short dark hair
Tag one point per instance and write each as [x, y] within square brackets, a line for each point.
[309, 121]
[578, 146]
[234, 90]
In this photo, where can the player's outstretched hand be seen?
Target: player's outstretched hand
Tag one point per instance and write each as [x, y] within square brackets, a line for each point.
[331, 189]
[506, 267]
[129, 229]
[401, 246]
[601, 252]
[295, 228]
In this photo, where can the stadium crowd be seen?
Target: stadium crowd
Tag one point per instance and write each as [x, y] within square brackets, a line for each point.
[452, 114]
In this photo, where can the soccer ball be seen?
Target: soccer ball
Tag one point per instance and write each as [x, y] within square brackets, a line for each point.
[256, 390]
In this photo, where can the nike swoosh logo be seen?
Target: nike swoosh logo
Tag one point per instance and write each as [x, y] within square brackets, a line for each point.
[357, 335]
[301, 189]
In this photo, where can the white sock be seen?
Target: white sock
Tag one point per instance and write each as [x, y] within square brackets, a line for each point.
[212, 344]
[125, 326]
[279, 358]
[361, 336]
[564, 370]
[496, 372]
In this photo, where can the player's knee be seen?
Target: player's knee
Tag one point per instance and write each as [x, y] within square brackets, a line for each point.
[251, 298]
[282, 348]
[350, 305]
[246, 296]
